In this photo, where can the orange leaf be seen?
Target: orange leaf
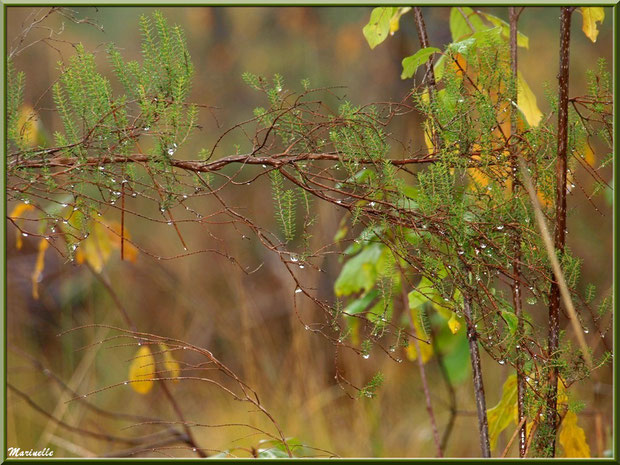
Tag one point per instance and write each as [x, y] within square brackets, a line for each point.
[17, 213]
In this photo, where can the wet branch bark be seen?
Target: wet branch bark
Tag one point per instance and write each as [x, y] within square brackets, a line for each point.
[514, 14]
[547, 439]
[429, 75]
[481, 406]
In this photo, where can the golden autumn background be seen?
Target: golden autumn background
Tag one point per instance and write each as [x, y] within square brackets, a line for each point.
[248, 321]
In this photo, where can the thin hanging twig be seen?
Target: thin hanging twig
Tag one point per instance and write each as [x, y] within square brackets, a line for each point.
[427, 394]
[481, 406]
[514, 14]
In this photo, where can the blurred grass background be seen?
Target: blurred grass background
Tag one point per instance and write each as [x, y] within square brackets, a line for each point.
[247, 321]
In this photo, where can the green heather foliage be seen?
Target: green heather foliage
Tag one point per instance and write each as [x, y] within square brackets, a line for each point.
[416, 242]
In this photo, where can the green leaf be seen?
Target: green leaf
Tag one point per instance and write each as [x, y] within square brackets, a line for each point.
[500, 416]
[439, 67]
[522, 39]
[488, 37]
[378, 27]
[411, 63]
[592, 15]
[416, 298]
[360, 272]
[272, 453]
[459, 28]
[511, 320]
[359, 305]
[455, 350]
[464, 46]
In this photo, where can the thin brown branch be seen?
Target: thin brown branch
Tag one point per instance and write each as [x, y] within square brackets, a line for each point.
[427, 395]
[481, 406]
[514, 14]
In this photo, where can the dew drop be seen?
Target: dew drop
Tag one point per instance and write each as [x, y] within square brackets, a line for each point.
[25, 234]
[297, 290]
[366, 356]
[502, 362]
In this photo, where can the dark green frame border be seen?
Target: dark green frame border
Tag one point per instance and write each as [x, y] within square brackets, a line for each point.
[165, 3]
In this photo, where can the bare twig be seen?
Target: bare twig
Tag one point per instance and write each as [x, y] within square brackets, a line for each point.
[516, 263]
[427, 395]
[481, 406]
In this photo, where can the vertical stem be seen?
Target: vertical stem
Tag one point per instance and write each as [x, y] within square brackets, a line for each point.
[423, 37]
[547, 443]
[429, 75]
[481, 406]
[123, 219]
[451, 393]
[514, 14]
[427, 394]
[184, 423]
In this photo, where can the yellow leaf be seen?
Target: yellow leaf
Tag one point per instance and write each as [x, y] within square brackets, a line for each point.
[171, 366]
[589, 155]
[17, 213]
[453, 323]
[573, 437]
[459, 64]
[427, 137]
[500, 416]
[28, 124]
[142, 370]
[592, 15]
[97, 248]
[38, 268]
[396, 19]
[425, 348]
[131, 252]
[526, 101]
